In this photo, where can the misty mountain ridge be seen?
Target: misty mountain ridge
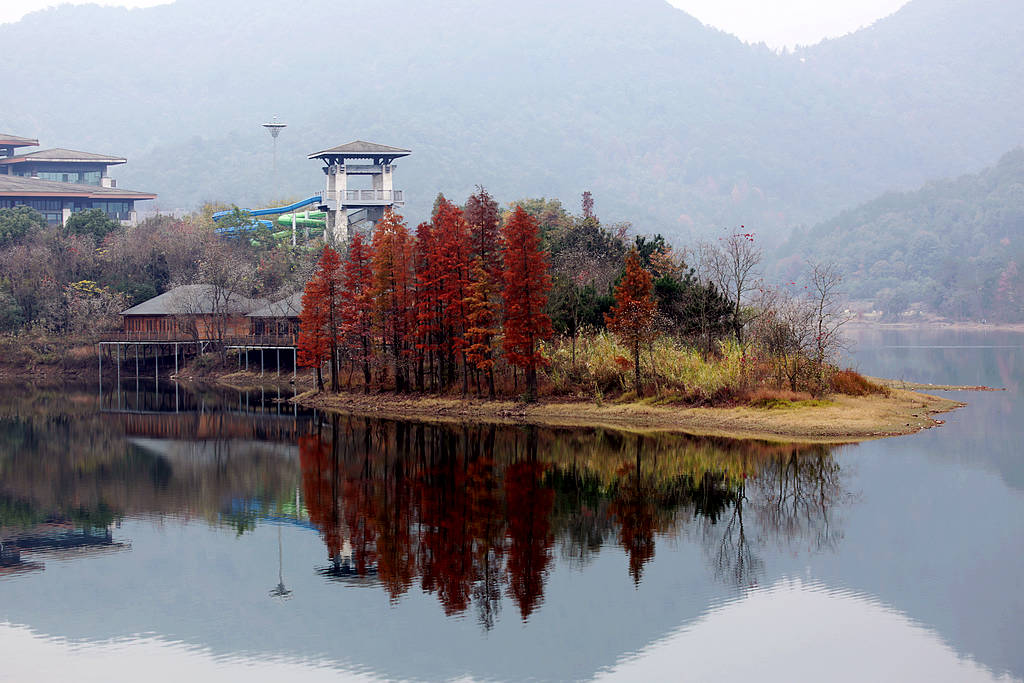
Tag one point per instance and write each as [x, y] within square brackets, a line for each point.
[676, 126]
[953, 247]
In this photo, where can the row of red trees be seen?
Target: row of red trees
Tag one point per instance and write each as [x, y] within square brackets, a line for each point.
[430, 310]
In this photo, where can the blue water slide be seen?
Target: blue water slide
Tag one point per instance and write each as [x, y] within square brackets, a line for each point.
[315, 199]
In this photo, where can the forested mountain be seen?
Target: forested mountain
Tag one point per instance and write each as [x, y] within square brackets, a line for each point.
[678, 127]
[955, 246]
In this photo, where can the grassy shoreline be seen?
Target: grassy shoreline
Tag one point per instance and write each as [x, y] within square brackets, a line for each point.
[837, 419]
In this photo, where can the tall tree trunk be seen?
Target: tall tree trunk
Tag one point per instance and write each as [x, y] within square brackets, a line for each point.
[366, 365]
[636, 365]
[531, 377]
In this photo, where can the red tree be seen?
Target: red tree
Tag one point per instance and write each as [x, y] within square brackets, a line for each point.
[314, 349]
[484, 227]
[525, 296]
[483, 324]
[453, 263]
[357, 305]
[428, 306]
[632, 318]
[394, 312]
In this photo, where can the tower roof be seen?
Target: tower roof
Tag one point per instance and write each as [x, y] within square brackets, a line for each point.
[7, 140]
[66, 156]
[360, 149]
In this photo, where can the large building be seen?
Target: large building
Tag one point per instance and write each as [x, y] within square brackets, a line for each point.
[59, 182]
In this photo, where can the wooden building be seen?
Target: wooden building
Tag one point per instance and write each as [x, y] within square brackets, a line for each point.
[278, 319]
[191, 313]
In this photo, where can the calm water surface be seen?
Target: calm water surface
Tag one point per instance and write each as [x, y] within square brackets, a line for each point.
[156, 534]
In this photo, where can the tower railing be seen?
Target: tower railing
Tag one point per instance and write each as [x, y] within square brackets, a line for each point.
[373, 195]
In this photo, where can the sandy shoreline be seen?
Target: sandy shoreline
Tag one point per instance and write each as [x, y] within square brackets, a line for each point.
[842, 419]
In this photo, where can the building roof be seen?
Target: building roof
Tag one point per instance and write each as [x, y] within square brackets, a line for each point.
[65, 156]
[21, 186]
[289, 307]
[193, 300]
[7, 140]
[360, 149]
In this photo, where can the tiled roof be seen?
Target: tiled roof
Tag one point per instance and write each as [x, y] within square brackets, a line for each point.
[7, 140]
[21, 186]
[66, 156]
[285, 308]
[193, 299]
[361, 148]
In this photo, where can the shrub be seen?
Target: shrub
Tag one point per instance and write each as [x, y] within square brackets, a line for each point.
[852, 383]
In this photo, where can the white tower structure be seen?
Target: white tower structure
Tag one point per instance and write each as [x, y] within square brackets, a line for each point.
[348, 169]
[274, 128]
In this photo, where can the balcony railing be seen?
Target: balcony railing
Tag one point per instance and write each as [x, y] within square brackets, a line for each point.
[229, 340]
[150, 337]
[373, 196]
[262, 340]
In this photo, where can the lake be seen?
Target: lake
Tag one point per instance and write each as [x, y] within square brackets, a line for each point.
[153, 533]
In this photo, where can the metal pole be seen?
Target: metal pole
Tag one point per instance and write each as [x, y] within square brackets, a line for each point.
[295, 362]
[99, 351]
[156, 363]
[117, 348]
[261, 361]
[175, 359]
[279, 361]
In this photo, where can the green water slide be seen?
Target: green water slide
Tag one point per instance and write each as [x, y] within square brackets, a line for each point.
[312, 222]
[306, 219]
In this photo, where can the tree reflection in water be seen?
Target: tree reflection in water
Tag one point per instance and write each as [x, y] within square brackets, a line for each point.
[473, 513]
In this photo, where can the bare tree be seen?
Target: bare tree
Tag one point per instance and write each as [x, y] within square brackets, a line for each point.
[784, 329]
[733, 265]
[829, 316]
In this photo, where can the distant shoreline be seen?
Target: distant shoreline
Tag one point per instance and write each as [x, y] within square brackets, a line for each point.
[937, 325]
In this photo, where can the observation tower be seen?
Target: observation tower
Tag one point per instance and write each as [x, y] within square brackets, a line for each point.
[359, 186]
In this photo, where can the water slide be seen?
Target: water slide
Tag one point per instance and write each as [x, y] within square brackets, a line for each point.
[314, 220]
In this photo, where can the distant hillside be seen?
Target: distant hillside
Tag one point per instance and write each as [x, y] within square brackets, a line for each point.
[676, 126]
[957, 246]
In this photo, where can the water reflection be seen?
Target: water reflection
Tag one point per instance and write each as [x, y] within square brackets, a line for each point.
[473, 514]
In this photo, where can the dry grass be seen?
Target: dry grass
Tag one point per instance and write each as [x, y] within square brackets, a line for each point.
[852, 383]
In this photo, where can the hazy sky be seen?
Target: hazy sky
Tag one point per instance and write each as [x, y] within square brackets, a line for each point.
[778, 23]
[787, 23]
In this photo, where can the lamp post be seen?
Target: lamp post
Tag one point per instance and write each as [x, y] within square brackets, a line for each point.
[274, 127]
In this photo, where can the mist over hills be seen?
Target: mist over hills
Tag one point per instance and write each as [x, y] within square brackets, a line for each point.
[675, 126]
[954, 247]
